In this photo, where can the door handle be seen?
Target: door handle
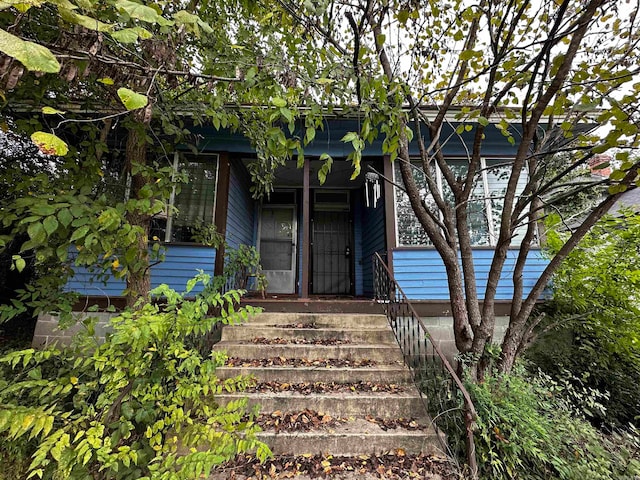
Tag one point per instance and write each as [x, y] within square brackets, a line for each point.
[347, 251]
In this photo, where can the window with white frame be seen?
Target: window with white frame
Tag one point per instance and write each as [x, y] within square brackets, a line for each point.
[192, 205]
[484, 206]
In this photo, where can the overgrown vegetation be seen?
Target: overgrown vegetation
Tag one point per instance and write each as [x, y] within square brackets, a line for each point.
[573, 412]
[592, 333]
[140, 405]
[528, 428]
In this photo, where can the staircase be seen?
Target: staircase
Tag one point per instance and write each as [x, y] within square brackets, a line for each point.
[342, 372]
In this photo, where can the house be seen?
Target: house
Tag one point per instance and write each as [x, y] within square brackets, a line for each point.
[317, 241]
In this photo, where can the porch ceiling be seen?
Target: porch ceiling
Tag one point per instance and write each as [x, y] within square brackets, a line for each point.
[339, 177]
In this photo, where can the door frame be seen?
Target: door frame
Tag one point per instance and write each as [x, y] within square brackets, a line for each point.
[348, 208]
[294, 236]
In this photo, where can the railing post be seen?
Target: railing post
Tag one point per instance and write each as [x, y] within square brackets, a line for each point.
[396, 305]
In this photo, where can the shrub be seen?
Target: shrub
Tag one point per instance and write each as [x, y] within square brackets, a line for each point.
[593, 326]
[141, 405]
[526, 431]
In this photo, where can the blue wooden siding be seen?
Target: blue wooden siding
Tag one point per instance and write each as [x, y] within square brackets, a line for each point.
[242, 208]
[373, 241]
[357, 240]
[421, 274]
[181, 263]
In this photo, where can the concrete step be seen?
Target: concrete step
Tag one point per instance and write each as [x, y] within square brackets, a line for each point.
[382, 354]
[355, 437]
[358, 337]
[355, 335]
[341, 404]
[320, 320]
[397, 374]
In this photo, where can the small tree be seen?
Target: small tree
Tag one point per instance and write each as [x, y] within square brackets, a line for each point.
[434, 73]
[85, 78]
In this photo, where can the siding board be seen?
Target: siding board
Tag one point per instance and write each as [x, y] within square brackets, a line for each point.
[421, 274]
[373, 241]
[181, 263]
[242, 208]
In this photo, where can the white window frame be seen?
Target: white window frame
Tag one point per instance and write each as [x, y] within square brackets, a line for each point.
[488, 207]
[179, 157]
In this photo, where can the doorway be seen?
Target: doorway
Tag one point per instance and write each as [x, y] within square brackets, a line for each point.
[332, 244]
[278, 247]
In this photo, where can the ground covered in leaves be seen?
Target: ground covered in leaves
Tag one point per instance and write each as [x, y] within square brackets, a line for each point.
[307, 420]
[310, 325]
[299, 341]
[298, 362]
[392, 465]
[307, 388]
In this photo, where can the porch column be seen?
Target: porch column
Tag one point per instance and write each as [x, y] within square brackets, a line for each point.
[222, 203]
[389, 211]
[306, 237]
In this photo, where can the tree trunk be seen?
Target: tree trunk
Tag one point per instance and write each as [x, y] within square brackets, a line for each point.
[139, 276]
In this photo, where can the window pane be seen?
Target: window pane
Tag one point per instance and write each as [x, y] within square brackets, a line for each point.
[497, 178]
[195, 203]
[410, 232]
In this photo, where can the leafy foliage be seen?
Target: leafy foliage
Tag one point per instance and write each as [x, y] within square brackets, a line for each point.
[76, 222]
[593, 325]
[527, 430]
[243, 264]
[140, 405]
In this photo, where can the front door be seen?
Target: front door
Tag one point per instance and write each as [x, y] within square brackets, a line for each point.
[278, 247]
[331, 249]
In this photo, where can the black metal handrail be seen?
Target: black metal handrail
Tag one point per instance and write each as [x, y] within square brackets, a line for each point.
[445, 397]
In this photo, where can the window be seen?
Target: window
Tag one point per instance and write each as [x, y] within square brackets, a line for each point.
[484, 207]
[195, 202]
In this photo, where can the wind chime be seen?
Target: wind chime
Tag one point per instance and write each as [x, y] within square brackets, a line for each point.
[372, 189]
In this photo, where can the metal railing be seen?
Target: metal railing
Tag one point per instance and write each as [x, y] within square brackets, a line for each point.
[447, 401]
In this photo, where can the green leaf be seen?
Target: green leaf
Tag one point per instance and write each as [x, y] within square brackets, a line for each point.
[617, 175]
[37, 233]
[21, 5]
[19, 262]
[126, 35]
[50, 144]
[106, 81]
[403, 16]
[279, 102]
[286, 113]
[349, 137]
[65, 217]
[33, 56]
[467, 55]
[310, 135]
[84, 21]
[52, 111]
[185, 18]
[483, 121]
[79, 233]
[132, 100]
[50, 225]
[142, 12]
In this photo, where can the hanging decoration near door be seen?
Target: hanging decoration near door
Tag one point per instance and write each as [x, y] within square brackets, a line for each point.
[372, 189]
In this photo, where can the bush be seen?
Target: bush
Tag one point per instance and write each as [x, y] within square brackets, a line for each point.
[527, 431]
[593, 325]
[141, 405]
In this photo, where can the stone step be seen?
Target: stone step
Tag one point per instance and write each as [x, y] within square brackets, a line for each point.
[347, 320]
[381, 354]
[357, 437]
[341, 404]
[355, 335]
[396, 374]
